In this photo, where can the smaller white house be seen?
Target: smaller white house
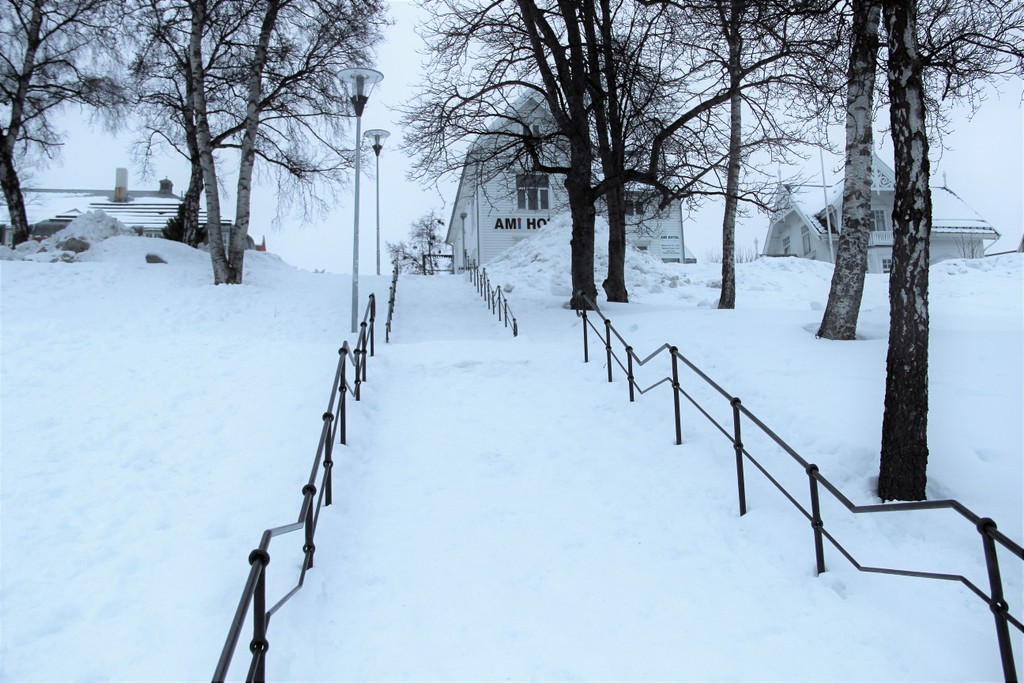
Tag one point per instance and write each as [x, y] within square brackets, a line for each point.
[498, 204]
[805, 226]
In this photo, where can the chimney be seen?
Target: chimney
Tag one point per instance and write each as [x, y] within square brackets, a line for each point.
[121, 185]
[166, 186]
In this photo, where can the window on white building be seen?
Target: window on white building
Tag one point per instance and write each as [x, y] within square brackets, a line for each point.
[532, 191]
[805, 235]
[887, 265]
[785, 245]
[634, 204]
[879, 222]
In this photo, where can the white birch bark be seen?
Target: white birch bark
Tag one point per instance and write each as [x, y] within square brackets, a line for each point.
[240, 230]
[204, 139]
[732, 188]
[843, 309]
[904, 454]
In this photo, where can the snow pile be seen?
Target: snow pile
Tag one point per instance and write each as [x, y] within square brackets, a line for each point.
[541, 263]
[92, 227]
[79, 236]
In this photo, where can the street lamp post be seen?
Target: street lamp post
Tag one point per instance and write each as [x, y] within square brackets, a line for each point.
[462, 242]
[377, 136]
[360, 84]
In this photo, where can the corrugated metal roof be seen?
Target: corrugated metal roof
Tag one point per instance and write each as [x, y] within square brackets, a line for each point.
[146, 209]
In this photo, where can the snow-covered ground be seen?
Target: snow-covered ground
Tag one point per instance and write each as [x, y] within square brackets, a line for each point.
[501, 512]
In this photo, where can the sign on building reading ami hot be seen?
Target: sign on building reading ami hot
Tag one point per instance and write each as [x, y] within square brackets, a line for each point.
[519, 224]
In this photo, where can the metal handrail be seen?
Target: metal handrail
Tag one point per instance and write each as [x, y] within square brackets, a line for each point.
[497, 302]
[986, 527]
[313, 500]
[391, 304]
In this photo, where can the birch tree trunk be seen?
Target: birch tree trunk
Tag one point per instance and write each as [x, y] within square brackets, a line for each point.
[247, 150]
[843, 309]
[9, 181]
[904, 454]
[735, 40]
[221, 272]
[12, 193]
[191, 230]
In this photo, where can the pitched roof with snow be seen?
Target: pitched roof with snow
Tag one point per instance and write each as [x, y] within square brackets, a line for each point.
[146, 209]
[950, 213]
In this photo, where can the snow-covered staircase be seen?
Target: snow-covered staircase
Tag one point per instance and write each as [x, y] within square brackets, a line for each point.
[504, 514]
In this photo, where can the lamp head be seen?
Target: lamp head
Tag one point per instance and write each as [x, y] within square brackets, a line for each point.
[376, 136]
[360, 84]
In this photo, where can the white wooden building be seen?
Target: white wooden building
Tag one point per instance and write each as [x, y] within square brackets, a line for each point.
[800, 224]
[498, 203]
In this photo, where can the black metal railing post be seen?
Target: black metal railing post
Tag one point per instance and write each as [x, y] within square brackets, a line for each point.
[328, 460]
[362, 352]
[738, 446]
[629, 372]
[999, 606]
[373, 319]
[586, 346]
[343, 390]
[673, 351]
[816, 523]
[309, 548]
[259, 644]
[608, 345]
[357, 357]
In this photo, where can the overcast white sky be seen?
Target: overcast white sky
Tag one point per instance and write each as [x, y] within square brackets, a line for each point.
[984, 164]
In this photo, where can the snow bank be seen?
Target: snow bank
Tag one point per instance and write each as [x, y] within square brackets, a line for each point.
[159, 423]
[541, 263]
[79, 236]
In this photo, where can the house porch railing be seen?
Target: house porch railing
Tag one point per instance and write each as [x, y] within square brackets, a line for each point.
[880, 238]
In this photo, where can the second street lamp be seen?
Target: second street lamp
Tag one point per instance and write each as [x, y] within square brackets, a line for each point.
[377, 136]
[360, 83]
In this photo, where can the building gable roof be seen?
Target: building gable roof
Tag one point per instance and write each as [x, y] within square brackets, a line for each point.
[145, 209]
[950, 213]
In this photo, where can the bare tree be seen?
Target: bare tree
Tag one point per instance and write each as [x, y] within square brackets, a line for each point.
[161, 81]
[964, 43]
[769, 61]
[419, 254]
[904, 458]
[564, 74]
[840, 318]
[495, 65]
[961, 46]
[52, 53]
[273, 91]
